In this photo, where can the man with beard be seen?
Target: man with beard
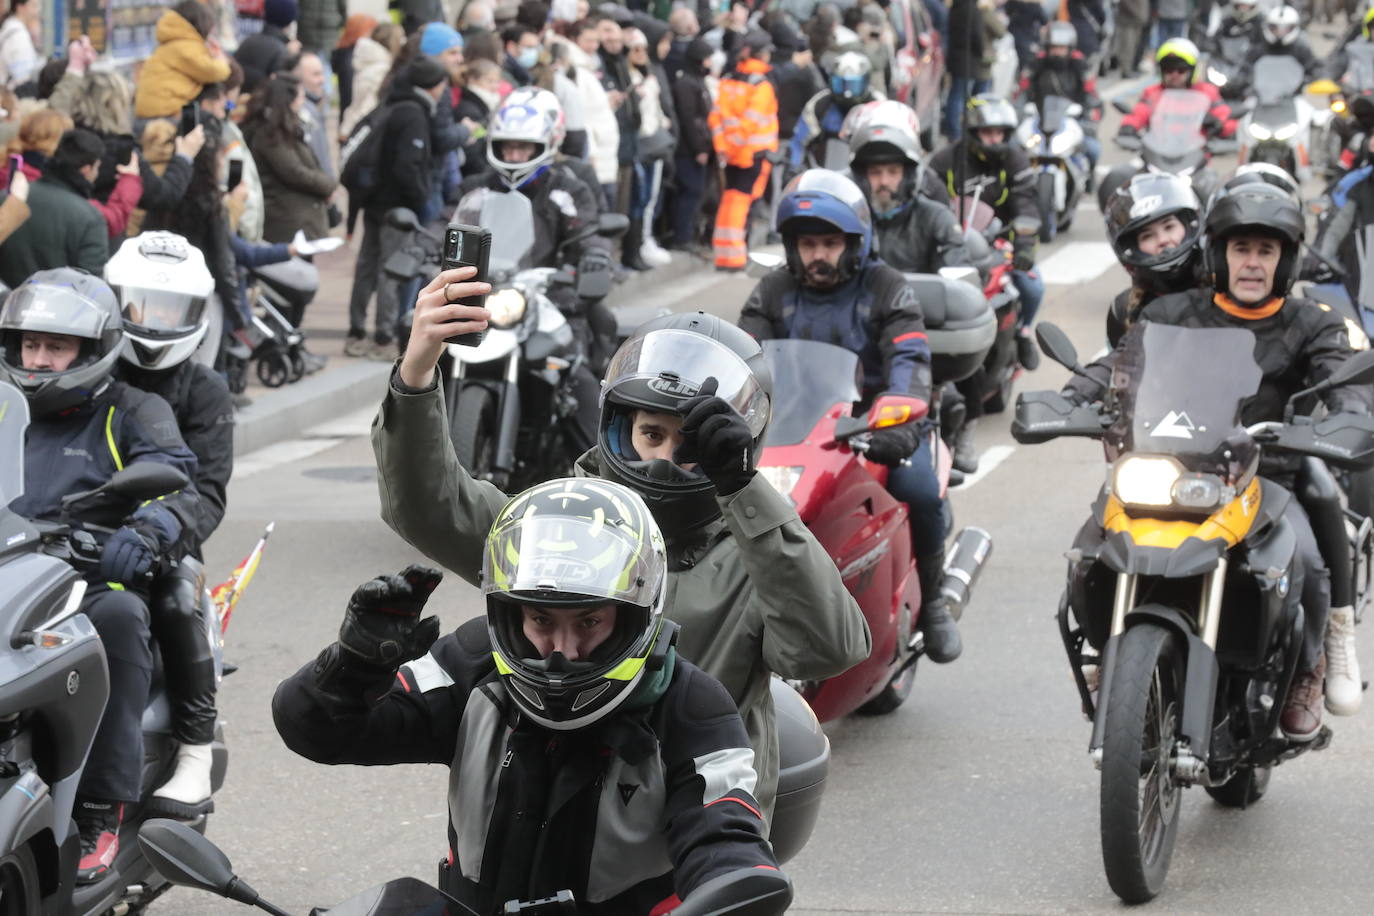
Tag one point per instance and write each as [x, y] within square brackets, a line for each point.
[833, 289]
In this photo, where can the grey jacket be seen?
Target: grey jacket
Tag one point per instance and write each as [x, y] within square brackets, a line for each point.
[758, 595]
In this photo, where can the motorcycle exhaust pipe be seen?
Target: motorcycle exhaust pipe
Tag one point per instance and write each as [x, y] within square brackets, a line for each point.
[963, 563]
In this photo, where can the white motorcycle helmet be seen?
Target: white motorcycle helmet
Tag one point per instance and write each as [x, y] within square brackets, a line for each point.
[1282, 26]
[1244, 10]
[528, 115]
[163, 285]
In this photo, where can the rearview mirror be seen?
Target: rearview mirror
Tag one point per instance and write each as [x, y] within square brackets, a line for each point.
[402, 218]
[1357, 370]
[183, 856]
[1056, 345]
[146, 480]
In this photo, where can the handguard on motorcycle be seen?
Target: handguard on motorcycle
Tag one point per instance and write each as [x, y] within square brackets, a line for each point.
[1356, 370]
[1345, 440]
[1045, 415]
[888, 410]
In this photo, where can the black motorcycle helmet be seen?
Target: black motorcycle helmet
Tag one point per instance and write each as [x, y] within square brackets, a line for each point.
[989, 110]
[1254, 208]
[1146, 199]
[659, 368]
[70, 302]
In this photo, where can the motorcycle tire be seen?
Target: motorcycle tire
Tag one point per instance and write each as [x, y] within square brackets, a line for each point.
[473, 430]
[1049, 216]
[1141, 728]
[274, 368]
[1243, 789]
[893, 695]
[20, 892]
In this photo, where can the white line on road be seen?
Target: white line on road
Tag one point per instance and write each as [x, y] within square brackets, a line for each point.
[1077, 262]
[987, 463]
[349, 426]
[281, 453]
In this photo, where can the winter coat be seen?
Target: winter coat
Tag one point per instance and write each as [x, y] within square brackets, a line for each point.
[744, 121]
[371, 63]
[962, 57]
[562, 205]
[795, 86]
[177, 70]
[319, 24]
[261, 55]
[753, 591]
[19, 57]
[1219, 116]
[13, 213]
[63, 230]
[920, 237]
[116, 208]
[406, 149]
[994, 26]
[603, 130]
[1008, 187]
[693, 103]
[295, 189]
[314, 118]
[236, 150]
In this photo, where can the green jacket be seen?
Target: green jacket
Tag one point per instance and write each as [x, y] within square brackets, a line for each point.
[756, 595]
[63, 230]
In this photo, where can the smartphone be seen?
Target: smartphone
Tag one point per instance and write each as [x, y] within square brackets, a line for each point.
[468, 246]
[235, 174]
[190, 117]
[16, 166]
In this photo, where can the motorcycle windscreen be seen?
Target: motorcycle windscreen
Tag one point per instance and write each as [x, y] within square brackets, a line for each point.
[1176, 123]
[14, 420]
[510, 218]
[836, 155]
[1276, 78]
[809, 378]
[1054, 111]
[402, 897]
[1179, 392]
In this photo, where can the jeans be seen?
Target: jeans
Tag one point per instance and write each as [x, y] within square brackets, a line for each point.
[380, 242]
[954, 106]
[691, 187]
[1092, 148]
[917, 485]
[114, 768]
[1032, 290]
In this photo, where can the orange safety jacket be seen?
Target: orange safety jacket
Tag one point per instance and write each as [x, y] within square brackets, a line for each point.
[744, 121]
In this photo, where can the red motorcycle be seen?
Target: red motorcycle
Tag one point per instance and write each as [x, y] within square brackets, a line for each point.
[813, 454]
[990, 251]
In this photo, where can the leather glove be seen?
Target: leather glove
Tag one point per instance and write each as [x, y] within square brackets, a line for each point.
[716, 437]
[128, 557]
[382, 626]
[1022, 260]
[894, 445]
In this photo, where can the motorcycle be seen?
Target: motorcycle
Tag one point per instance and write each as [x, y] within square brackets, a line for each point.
[1339, 137]
[1174, 142]
[1053, 139]
[1178, 591]
[54, 686]
[1226, 69]
[1279, 128]
[189, 859]
[513, 407]
[990, 250]
[813, 455]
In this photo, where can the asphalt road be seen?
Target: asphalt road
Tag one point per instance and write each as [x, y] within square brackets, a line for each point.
[977, 796]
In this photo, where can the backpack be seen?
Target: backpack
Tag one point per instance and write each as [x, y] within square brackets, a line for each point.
[361, 157]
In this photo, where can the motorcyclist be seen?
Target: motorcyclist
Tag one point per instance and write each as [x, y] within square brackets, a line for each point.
[1178, 60]
[61, 333]
[834, 289]
[1250, 254]
[851, 85]
[987, 163]
[590, 727]
[163, 288]
[1155, 225]
[1281, 36]
[1232, 44]
[751, 588]
[1062, 70]
[1341, 229]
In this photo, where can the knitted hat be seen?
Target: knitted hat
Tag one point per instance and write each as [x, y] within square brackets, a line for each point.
[438, 38]
[280, 13]
[426, 73]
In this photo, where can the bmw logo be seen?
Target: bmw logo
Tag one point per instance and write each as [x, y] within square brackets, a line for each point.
[73, 682]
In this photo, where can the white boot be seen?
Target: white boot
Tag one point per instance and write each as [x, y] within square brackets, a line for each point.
[653, 254]
[1343, 686]
[187, 793]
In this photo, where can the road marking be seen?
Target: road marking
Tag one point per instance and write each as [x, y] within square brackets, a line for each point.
[281, 453]
[349, 426]
[987, 463]
[1077, 262]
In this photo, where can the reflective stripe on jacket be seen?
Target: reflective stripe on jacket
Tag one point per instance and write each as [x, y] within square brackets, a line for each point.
[744, 121]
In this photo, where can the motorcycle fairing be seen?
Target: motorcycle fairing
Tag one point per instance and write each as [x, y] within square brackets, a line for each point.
[1176, 548]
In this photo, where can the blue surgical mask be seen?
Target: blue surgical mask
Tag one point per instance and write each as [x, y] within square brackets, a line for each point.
[528, 57]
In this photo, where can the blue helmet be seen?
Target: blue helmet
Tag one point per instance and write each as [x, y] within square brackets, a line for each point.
[819, 201]
[849, 79]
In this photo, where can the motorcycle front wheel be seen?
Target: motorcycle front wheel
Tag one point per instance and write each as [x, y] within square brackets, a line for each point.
[20, 891]
[1140, 797]
[1049, 215]
[473, 430]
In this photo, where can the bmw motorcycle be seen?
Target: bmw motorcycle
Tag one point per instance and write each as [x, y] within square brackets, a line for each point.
[1053, 139]
[1279, 128]
[1173, 142]
[1175, 617]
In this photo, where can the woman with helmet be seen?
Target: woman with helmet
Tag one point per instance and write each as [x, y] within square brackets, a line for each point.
[1250, 254]
[163, 285]
[61, 333]
[835, 290]
[589, 719]
[988, 164]
[850, 86]
[1155, 224]
[752, 590]
[1178, 61]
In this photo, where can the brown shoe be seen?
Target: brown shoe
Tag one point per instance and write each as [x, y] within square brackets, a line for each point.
[1302, 711]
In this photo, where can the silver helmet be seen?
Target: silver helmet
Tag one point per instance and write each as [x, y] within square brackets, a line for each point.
[163, 285]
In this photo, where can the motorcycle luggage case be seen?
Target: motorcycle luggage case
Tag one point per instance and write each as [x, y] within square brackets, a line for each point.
[960, 324]
[296, 280]
[803, 763]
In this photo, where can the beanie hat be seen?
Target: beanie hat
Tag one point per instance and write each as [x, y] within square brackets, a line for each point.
[280, 13]
[426, 73]
[438, 38]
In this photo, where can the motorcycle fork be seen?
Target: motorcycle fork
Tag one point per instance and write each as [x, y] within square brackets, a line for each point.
[508, 414]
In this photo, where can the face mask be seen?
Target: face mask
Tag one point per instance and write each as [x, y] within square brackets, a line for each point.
[528, 57]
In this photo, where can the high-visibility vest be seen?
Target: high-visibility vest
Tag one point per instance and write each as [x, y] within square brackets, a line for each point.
[744, 121]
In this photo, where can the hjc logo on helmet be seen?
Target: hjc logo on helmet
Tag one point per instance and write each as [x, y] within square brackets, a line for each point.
[1146, 205]
[674, 387]
[557, 572]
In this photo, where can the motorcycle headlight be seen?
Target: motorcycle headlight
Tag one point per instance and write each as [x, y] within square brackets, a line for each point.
[1338, 105]
[1216, 77]
[1286, 133]
[783, 479]
[1259, 131]
[1140, 481]
[507, 307]
[1034, 140]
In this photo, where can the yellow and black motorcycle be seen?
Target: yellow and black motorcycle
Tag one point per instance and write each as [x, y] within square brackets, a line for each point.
[1176, 616]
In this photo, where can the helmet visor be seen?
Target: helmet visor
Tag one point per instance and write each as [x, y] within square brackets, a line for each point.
[670, 366]
[53, 310]
[160, 310]
[566, 560]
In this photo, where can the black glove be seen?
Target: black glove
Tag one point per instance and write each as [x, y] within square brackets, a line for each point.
[134, 551]
[382, 626]
[1022, 259]
[894, 445]
[716, 437]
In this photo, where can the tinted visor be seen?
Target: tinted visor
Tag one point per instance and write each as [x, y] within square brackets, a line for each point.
[53, 310]
[160, 310]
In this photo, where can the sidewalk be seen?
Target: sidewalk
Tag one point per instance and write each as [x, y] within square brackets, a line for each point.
[347, 383]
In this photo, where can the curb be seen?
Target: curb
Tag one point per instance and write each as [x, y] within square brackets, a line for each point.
[285, 413]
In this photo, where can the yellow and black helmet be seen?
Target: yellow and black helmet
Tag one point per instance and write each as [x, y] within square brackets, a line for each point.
[576, 543]
[1366, 22]
[1177, 52]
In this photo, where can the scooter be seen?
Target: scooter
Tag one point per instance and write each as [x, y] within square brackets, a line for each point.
[187, 858]
[1053, 139]
[1279, 128]
[813, 455]
[53, 690]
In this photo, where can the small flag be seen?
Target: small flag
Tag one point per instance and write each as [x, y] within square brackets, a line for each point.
[226, 594]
